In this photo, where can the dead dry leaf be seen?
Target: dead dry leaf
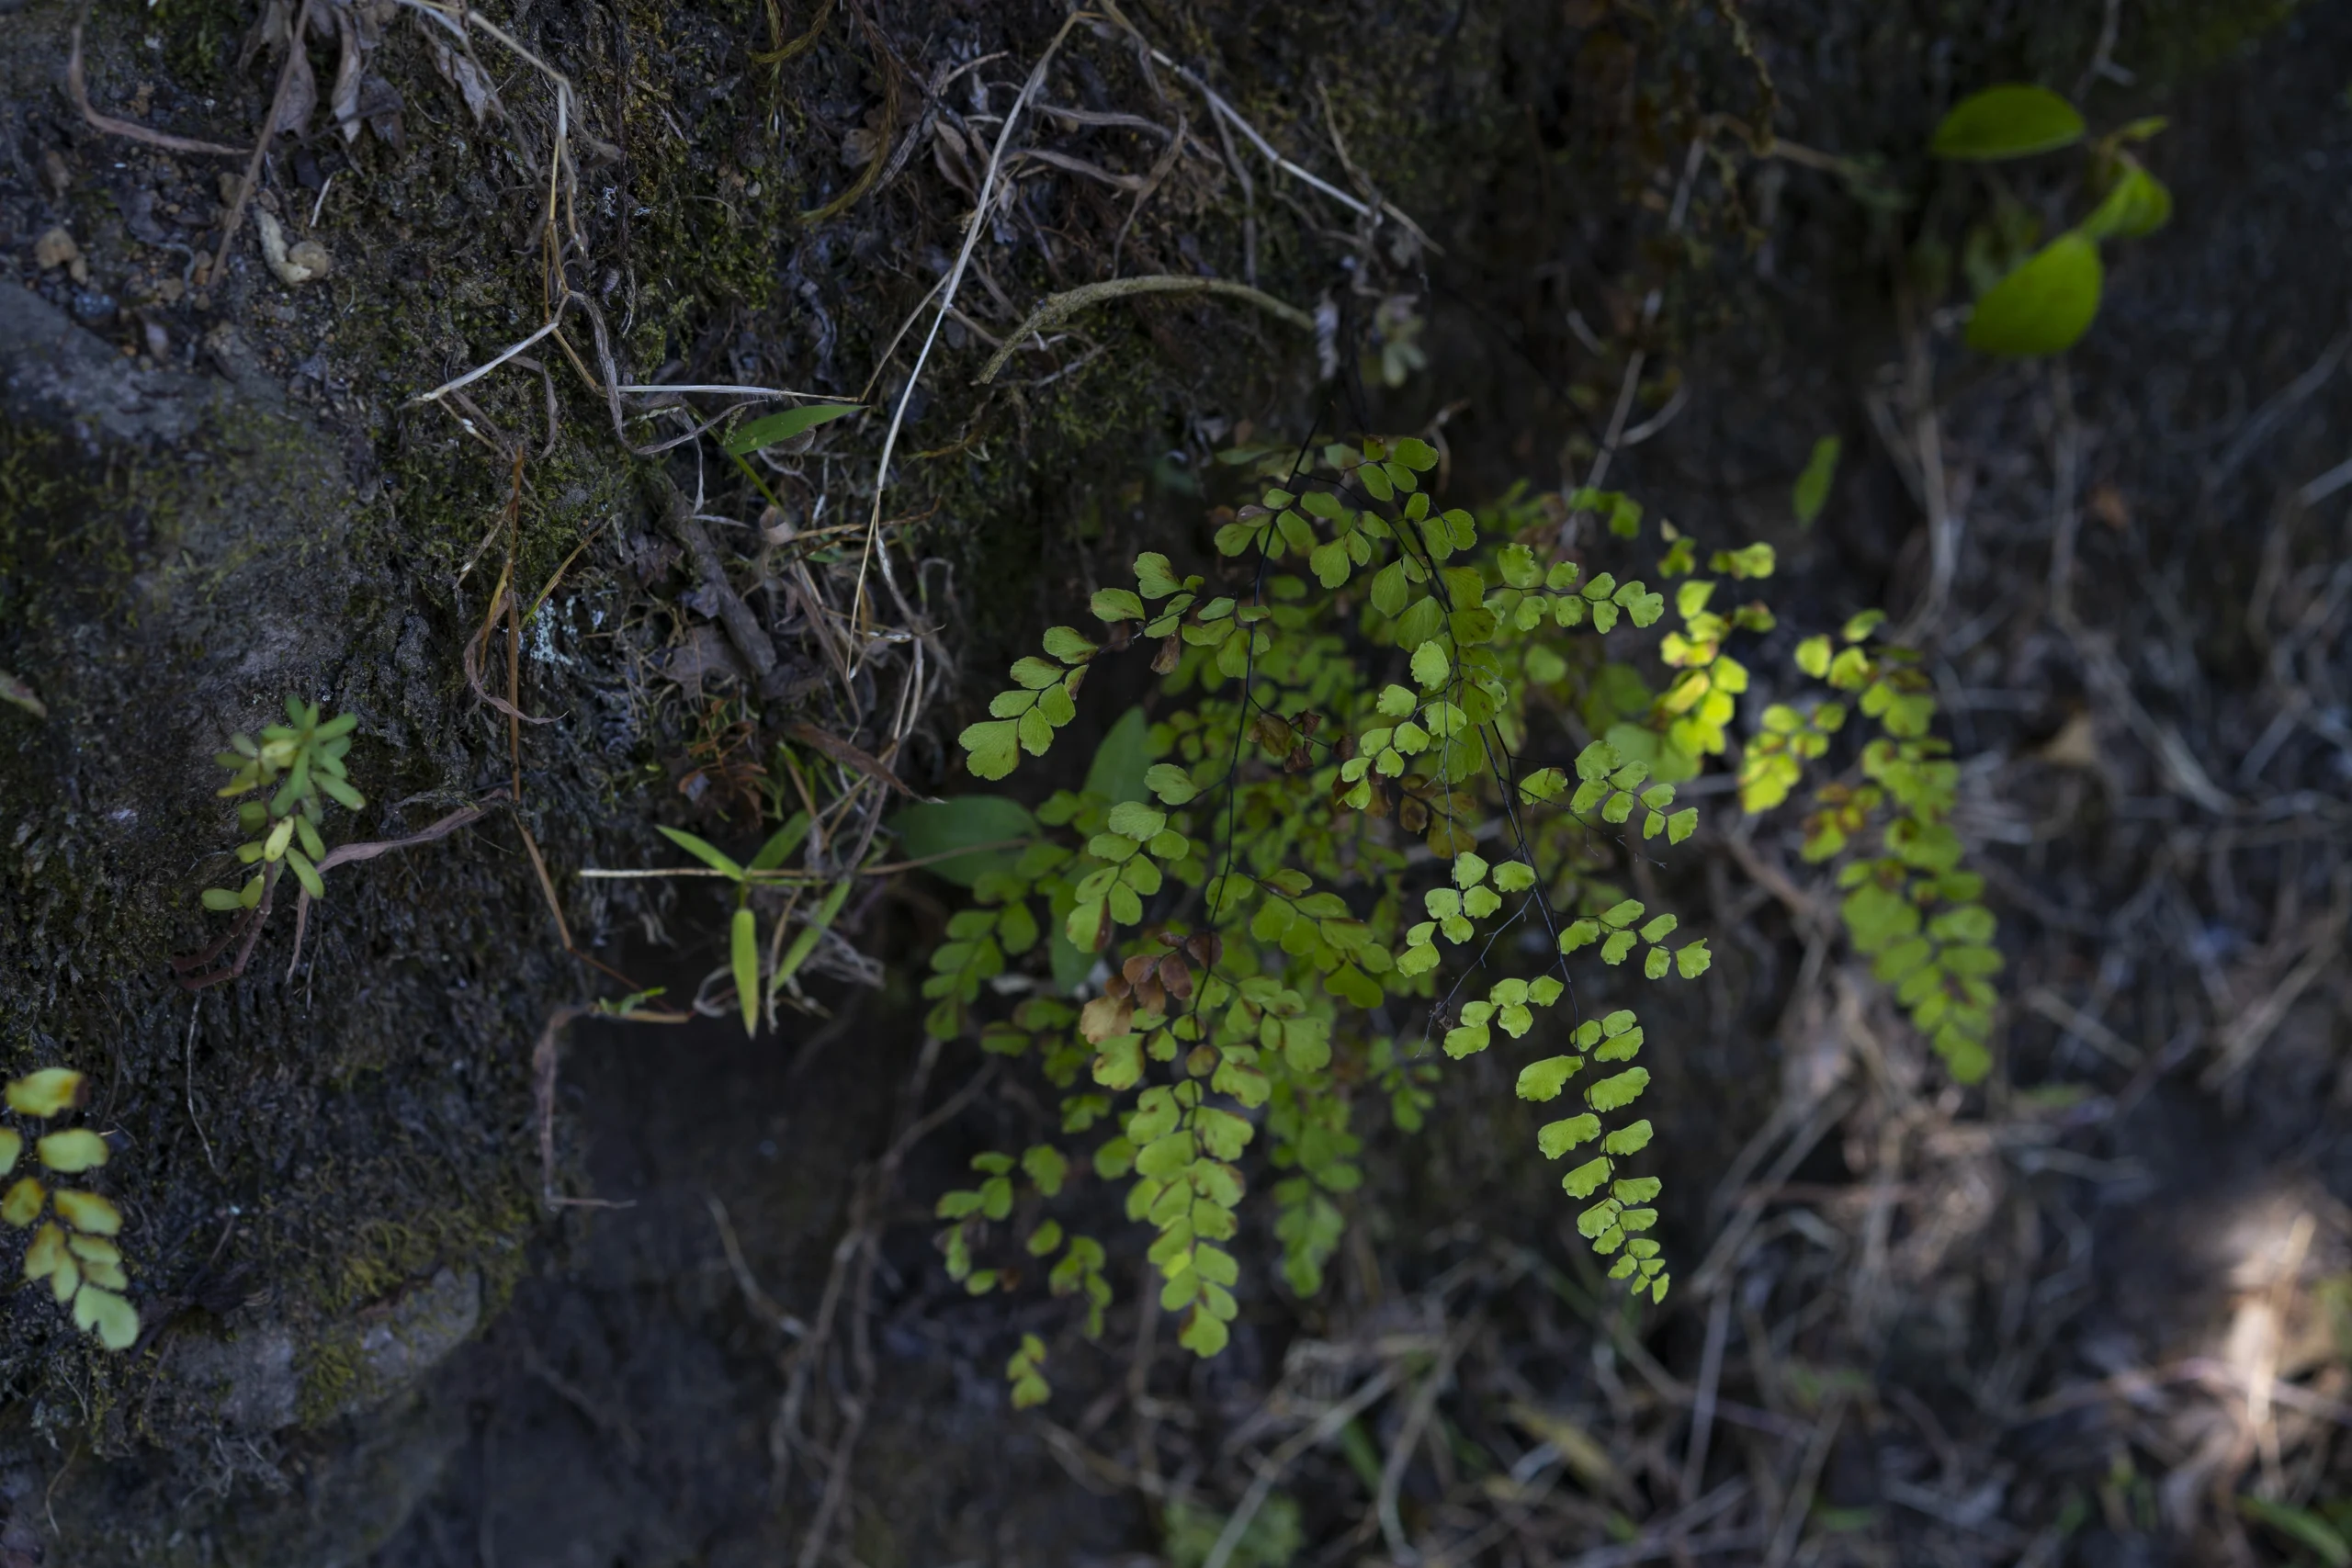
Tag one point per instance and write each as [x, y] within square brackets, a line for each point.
[472, 83]
[348, 68]
[2106, 504]
[301, 95]
[2074, 746]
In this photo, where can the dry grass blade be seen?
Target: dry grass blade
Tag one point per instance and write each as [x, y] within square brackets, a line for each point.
[1790, 1528]
[2252, 1028]
[1271, 1470]
[781, 49]
[348, 854]
[295, 58]
[973, 227]
[1408, 1437]
[1376, 209]
[1060, 307]
[2094, 1033]
[849, 756]
[875, 165]
[479, 371]
[79, 92]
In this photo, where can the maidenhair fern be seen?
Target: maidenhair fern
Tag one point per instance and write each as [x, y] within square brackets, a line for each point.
[1286, 894]
[1254, 915]
[73, 1248]
[1910, 907]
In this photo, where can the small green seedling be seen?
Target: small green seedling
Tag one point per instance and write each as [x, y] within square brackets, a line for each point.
[770, 430]
[75, 1251]
[743, 934]
[2045, 299]
[1810, 494]
[292, 771]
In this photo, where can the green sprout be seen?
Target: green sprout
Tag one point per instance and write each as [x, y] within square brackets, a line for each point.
[294, 767]
[296, 763]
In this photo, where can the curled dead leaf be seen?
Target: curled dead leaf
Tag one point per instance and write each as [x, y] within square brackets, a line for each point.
[461, 71]
[952, 157]
[301, 95]
[1104, 1018]
[349, 67]
[2076, 745]
[1177, 976]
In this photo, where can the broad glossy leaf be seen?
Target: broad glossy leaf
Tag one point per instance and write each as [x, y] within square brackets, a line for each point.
[961, 822]
[2015, 120]
[1120, 764]
[2138, 206]
[2045, 305]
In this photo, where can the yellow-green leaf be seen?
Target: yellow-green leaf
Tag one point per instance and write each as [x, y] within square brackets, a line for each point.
[2045, 305]
[2015, 120]
[2139, 205]
[85, 1211]
[706, 852]
[784, 426]
[990, 747]
[1811, 492]
[73, 1151]
[937, 827]
[106, 1315]
[47, 1254]
[743, 946]
[22, 1202]
[46, 1092]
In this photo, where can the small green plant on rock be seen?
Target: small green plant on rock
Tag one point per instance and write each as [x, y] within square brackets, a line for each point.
[293, 766]
[782, 965]
[292, 771]
[74, 1249]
